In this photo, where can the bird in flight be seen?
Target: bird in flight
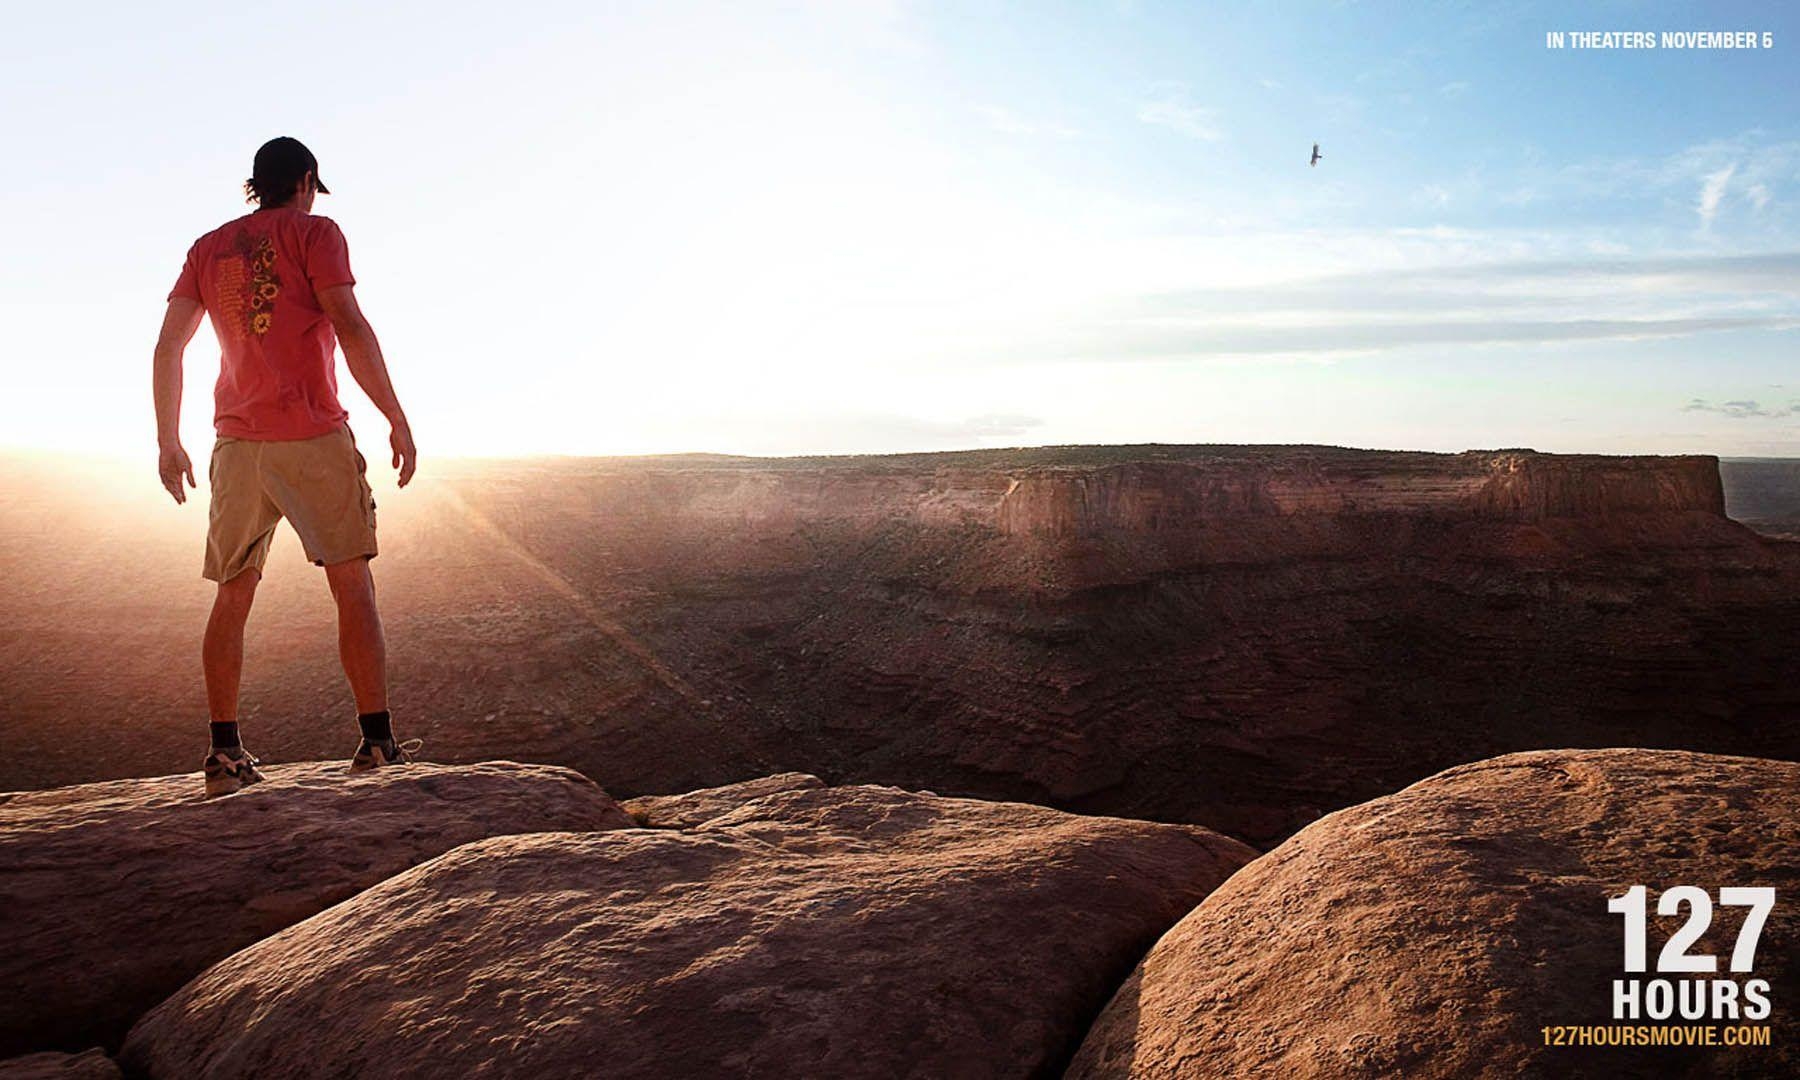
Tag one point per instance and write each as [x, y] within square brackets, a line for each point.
[1316, 155]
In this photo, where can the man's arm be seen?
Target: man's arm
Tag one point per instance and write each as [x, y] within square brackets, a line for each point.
[363, 354]
[179, 323]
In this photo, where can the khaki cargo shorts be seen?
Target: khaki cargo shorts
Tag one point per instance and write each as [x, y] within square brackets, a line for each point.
[320, 485]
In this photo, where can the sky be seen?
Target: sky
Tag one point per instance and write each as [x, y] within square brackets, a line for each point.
[853, 227]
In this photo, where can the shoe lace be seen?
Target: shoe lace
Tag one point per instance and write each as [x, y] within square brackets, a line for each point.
[402, 750]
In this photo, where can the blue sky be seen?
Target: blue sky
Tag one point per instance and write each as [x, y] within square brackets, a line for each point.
[830, 227]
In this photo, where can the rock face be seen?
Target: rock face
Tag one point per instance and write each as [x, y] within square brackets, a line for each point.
[92, 1065]
[1437, 931]
[691, 808]
[1764, 494]
[1242, 637]
[1516, 486]
[114, 894]
[843, 932]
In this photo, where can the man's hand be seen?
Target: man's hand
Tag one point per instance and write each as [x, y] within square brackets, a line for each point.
[172, 465]
[406, 458]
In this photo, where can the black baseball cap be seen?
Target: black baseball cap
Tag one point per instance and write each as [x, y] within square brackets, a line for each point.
[281, 162]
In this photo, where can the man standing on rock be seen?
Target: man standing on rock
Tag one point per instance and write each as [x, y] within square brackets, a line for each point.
[276, 284]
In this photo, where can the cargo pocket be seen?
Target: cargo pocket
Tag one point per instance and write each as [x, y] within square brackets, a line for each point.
[212, 464]
[368, 493]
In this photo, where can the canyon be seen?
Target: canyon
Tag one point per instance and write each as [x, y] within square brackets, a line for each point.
[1238, 637]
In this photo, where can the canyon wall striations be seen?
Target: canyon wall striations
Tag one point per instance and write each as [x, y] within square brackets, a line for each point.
[1242, 637]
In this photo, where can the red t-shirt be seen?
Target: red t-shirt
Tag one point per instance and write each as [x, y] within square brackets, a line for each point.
[259, 277]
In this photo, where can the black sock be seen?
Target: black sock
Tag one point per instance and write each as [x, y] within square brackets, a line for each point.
[225, 736]
[376, 726]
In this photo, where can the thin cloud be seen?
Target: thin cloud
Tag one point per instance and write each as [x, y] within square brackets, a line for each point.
[991, 425]
[1176, 114]
[1749, 165]
[843, 432]
[1454, 89]
[1340, 109]
[1333, 337]
[1712, 191]
[1523, 302]
[1724, 283]
[1009, 122]
[1743, 410]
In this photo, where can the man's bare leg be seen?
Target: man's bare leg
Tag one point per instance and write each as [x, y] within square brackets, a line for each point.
[222, 650]
[361, 646]
[228, 765]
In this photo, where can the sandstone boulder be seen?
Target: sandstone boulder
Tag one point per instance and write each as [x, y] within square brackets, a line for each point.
[842, 932]
[114, 894]
[688, 809]
[91, 1065]
[1436, 932]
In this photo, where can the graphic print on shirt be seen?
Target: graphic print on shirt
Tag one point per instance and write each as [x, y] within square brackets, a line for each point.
[248, 282]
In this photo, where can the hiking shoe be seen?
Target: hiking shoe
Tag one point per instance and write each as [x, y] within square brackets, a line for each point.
[374, 755]
[228, 769]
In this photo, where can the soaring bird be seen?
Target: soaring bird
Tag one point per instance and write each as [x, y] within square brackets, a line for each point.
[1316, 155]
